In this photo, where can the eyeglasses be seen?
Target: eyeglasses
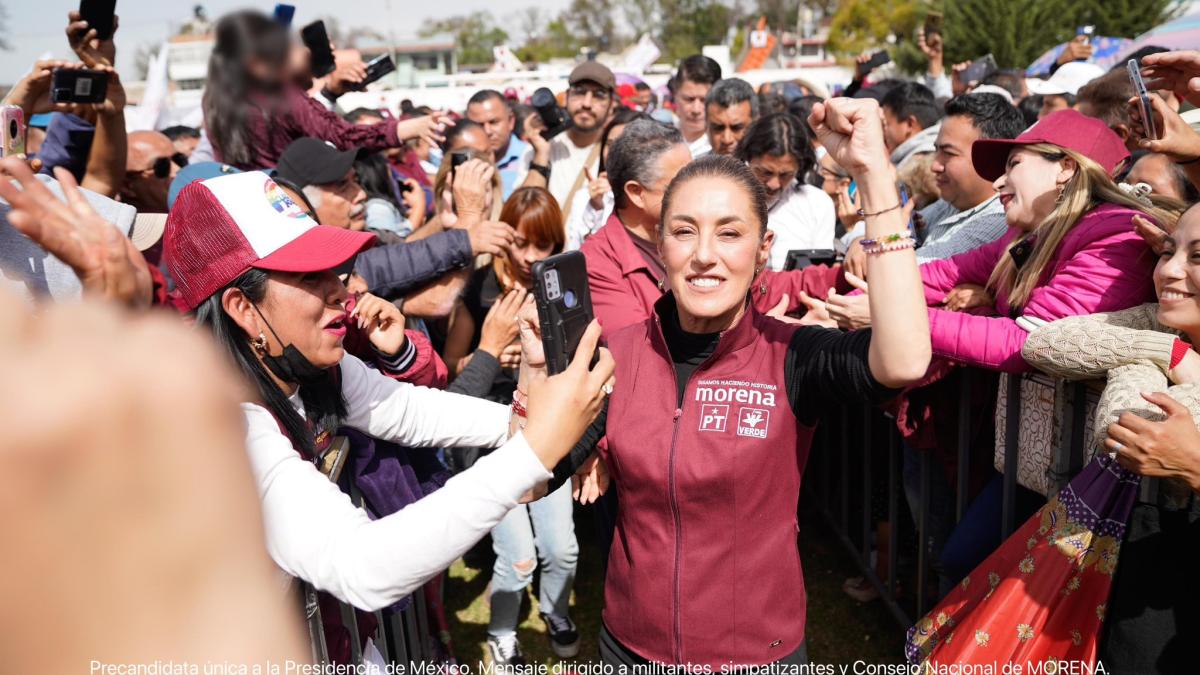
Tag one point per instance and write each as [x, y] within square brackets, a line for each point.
[581, 91]
[162, 165]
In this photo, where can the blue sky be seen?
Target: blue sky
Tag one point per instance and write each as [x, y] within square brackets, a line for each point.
[35, 27]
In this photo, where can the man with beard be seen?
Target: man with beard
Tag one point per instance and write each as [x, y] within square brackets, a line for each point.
[575, 153]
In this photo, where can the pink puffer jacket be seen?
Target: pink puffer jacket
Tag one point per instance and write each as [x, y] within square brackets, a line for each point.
[1102, 265]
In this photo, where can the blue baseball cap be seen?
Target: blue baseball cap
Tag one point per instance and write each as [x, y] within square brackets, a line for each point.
[194, 172]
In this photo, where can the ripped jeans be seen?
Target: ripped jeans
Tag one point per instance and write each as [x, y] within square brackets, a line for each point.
[518, 554]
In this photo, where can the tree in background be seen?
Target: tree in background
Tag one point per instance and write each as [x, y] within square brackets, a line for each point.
[688, 25]
[864, 25]
[475, 35]
[1017, 32]
[592, 22]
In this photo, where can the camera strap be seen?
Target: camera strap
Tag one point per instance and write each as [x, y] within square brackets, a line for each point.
[592, 158]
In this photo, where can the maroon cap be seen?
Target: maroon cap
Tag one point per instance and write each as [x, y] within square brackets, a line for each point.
[222, 227]
[1068, 129]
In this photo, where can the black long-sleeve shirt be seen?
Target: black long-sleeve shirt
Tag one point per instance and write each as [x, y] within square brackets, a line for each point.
[824, 368]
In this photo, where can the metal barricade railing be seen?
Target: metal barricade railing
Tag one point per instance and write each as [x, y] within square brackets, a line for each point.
[402, 637]
[895, 537]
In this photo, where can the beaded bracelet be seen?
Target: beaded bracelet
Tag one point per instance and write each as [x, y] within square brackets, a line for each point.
[893, 242]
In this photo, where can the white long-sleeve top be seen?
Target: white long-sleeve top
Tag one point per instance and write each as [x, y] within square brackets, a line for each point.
[315, 533]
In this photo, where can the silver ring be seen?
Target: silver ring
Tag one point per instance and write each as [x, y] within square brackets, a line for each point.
[607, 389]
[1119, 448]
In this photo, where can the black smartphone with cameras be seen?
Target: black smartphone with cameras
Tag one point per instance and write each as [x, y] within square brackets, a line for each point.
[377, 68]
[564, 305]
[798, 259]
[316, 39]
[99, 15]
[78, 85]
[1143, 97]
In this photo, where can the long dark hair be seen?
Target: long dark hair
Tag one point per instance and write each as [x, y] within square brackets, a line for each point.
[241, 37]
[323, 404]
[375, 177]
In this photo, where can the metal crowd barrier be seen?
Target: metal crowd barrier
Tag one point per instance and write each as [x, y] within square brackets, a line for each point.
[402, 638]
[857, 461]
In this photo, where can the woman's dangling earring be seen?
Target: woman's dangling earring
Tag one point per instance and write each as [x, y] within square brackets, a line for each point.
[1062, 194]
[260, 344]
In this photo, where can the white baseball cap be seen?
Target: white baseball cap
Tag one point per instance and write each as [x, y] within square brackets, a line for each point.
[1068, 79]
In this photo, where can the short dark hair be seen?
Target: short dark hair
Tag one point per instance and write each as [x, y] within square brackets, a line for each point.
[483, 95]
[460, 127]
[772, 103]
[1030, 107]
[1108, 96]
[1012, 81]
[697, 68]
[359, 113]
[632, 157]
[991, 114]
[641, 86]
[180, 131]
[912, 99]
[721, 166]
[731, 92]
[778, 135]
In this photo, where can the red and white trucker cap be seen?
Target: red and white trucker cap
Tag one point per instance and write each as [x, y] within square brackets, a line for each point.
[221, 227]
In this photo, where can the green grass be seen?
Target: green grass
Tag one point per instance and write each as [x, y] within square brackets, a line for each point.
[840, 629]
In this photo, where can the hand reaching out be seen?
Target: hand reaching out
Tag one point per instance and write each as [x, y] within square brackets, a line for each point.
[1166, 449]
[87, 45]
[1178, 72]
[1176, 138]
[431, 128]
[382, 322]
[106, 262]
[500, 326]
[469, 185]
[851, 312]
[968, 296]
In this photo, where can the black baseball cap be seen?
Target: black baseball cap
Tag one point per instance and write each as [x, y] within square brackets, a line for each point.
[312, 161]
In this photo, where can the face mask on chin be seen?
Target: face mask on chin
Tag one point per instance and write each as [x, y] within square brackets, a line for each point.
[291, 366]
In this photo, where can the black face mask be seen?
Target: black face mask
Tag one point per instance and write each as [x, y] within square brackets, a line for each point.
[291, 366]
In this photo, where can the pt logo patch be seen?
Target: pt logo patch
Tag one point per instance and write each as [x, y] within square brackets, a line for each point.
[753, 422]
[712, 417]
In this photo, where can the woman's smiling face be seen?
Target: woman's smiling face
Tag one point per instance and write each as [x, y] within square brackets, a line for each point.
[712, 244]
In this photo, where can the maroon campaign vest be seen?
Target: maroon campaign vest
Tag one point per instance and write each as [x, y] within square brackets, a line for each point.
[704, 566]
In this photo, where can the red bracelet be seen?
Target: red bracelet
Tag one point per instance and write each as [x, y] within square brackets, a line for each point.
[518, 406]
[1178, 351]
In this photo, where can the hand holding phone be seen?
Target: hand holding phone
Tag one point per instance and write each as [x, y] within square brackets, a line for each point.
[877, 59]
[1145, 107]
[316, 39]
[564, 304]
[78, 85]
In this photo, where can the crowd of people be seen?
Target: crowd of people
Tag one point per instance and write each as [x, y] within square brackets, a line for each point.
[293, 287]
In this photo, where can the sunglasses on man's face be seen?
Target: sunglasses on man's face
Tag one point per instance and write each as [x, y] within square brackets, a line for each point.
[162, 165]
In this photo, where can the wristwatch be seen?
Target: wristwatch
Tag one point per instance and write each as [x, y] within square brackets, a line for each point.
[540, 168]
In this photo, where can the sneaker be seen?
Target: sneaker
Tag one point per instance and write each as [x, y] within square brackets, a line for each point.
[564, 637]
[506, 651]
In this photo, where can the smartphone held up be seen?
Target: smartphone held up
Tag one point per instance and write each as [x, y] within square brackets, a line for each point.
[1145, 106]
[78, 85]
[564, 305]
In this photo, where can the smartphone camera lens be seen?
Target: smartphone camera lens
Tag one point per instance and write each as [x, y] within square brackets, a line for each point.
[569, 299]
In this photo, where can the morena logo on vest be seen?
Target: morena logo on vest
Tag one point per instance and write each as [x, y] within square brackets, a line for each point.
[752, 420]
